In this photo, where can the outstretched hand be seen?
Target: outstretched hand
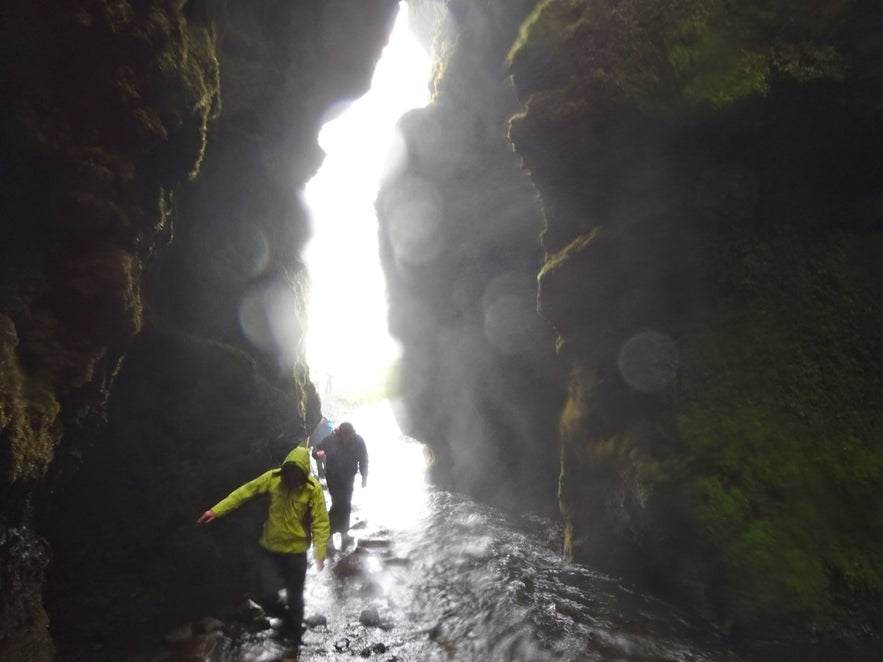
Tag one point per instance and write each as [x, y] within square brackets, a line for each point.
[364, 481]
[206, 517]
[320, 564]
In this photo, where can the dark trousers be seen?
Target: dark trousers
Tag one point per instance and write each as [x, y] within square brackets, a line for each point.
[288, 571]
[341, 491]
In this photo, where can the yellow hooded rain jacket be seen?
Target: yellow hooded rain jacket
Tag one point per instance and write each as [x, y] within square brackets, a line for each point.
[285, 530]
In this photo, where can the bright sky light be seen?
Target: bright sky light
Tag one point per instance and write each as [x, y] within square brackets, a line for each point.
[348, 337]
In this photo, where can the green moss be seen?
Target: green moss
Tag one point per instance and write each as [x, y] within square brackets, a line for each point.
[29, 412]
[775, 575]
[530, 30]
[566, 254]
[200, 74]
[777, 433]
[747, 74]
[770, 466]
[100, 158]
[675, 55]
[719, 507]
[762, 461]
[24, 628]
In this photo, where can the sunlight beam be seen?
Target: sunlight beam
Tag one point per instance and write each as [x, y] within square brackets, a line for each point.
[349, 349]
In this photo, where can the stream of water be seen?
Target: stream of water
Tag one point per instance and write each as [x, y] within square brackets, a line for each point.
[444, 578]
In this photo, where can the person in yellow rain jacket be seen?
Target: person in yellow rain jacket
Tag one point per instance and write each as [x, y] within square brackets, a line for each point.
[296, 515]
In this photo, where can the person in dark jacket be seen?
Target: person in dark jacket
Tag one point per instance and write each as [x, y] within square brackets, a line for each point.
[296, 517]
[345, 454]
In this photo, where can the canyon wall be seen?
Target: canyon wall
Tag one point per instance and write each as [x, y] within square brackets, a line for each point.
[695, 187]
[152, 292]
[711, 176]
[479, 381]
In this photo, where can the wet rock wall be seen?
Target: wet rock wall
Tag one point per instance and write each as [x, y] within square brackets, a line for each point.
[710, 177]
[105, 112]
[705, 201]
[459, 232]
[152, 154]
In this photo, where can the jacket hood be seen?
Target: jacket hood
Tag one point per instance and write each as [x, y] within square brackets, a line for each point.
[301, 457]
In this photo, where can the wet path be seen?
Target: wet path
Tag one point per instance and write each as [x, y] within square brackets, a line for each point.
[431, 575]
[456, 580]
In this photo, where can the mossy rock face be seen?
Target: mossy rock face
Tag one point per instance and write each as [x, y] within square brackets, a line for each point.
[712, 212]
[27, 415]
[760, 455]
[154, 220]
[105, 110]
[87, 198]
[574, 57]
[781, 428]
[24, 625]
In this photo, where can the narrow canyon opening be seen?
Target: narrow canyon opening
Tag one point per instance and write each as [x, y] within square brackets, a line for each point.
[630, 264]
[349, 348]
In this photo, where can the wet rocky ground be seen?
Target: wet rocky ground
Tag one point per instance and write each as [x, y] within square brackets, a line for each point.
[359, 605]
[431, 576]
[349, 613]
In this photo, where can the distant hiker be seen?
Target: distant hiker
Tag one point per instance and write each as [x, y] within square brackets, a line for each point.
[345, 454]
[296, 514]
[323, 429]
